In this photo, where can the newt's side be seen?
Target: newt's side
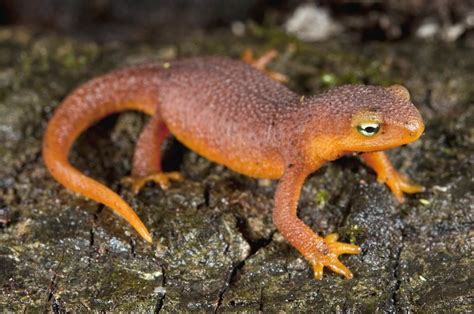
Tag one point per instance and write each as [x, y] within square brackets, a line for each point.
[237, 116]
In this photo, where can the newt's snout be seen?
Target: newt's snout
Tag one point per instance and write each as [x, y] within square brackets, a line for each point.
[414, 128]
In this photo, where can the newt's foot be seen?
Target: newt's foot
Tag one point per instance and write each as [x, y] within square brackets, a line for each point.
[329, 257]
[261, 63]
[399, 184]
[163, 179]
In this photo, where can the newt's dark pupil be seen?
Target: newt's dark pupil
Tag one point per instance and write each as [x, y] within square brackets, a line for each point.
[368, 130]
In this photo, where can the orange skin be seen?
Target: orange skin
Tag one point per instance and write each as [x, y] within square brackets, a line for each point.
[235, 115]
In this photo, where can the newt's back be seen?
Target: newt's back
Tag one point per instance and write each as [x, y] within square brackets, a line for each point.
[226, 111]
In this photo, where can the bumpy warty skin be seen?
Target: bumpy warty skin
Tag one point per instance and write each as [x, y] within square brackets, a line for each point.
[236, 115]
[227, 111]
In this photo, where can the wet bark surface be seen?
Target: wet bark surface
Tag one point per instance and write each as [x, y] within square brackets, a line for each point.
[215, 247]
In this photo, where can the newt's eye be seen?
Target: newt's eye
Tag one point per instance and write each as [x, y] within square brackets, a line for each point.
[368, 129]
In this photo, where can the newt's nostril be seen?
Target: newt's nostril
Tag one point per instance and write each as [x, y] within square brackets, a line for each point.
[412, 125]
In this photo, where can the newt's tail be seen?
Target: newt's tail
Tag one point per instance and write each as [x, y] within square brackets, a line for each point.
[128, 89]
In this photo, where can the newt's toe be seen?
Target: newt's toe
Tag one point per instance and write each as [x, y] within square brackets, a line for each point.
[318, 270]
[339, 268]
[329, 258]
[400, 184]
[135, 183]
[407, 186]
[343, 248]
[163, 179]
[333, 264]
[261, 63]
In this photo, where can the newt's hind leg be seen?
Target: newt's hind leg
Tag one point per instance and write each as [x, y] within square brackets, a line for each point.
[147, 157]
[261, 63]
[386, 173]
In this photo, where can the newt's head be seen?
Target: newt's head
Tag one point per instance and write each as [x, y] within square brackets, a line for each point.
[362, 118]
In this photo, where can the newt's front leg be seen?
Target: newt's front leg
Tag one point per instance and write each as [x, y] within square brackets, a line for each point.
[147, 157]
[318, 251]
[386, 173]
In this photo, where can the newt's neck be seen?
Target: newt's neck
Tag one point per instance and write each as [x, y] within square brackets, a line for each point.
[310, 130]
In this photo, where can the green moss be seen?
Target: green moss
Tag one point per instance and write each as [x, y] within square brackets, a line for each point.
[321, 197]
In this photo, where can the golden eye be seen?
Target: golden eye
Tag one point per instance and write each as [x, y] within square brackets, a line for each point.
[368, 129]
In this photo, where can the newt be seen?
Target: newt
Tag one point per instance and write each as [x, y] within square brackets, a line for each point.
[236, 115]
